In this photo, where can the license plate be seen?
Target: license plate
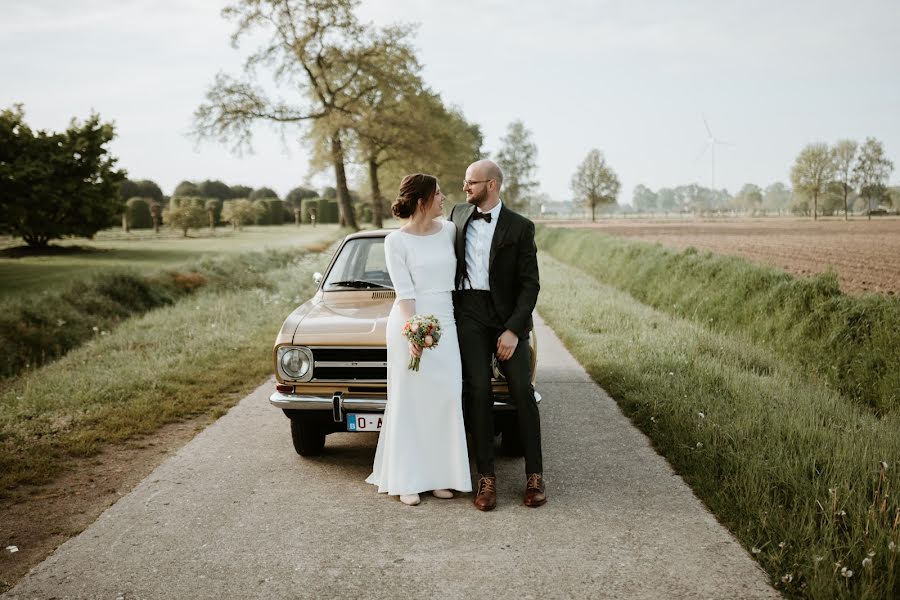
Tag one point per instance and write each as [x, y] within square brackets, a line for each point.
[364, 422]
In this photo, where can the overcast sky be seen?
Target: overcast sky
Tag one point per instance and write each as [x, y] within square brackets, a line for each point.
[629, 78]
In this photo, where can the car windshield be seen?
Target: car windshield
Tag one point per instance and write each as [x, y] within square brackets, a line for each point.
[360, 265]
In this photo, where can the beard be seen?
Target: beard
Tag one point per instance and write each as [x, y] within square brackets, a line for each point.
[479, 198]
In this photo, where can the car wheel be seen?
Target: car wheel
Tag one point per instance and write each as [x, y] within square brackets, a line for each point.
[308, 438]
[510, 439]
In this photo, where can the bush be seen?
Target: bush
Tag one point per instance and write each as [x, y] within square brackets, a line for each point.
[187, 214]
[137, 212]
[327, 211]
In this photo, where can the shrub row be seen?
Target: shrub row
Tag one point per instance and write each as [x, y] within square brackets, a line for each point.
[38, 329]
[853, 342]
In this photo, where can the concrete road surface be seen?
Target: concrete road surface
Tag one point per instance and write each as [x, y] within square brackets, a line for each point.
[237, 514]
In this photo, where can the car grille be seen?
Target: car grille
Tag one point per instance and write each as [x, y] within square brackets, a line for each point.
[350, 364]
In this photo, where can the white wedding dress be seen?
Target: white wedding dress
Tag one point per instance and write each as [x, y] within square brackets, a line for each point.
[422, 444]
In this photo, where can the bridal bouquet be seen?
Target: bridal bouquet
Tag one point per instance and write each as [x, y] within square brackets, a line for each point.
[423, 331]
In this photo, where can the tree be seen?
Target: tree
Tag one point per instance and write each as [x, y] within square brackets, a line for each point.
[750, 198]
[843, 155]
[813, 170]
[777, 197]
[56, 184]
[240, 191]
[263, 192]
[594, 182]
[187, 215]
[644, 199]
[156, 214]
[517, 158]
[240, 212]
[213, 208]
[186, 189]
[871, 173]
[143, 188]
[667, 200]
[213, 188]
[316, 47]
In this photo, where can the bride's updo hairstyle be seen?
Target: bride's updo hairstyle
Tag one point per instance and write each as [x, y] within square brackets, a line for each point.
[415, 189]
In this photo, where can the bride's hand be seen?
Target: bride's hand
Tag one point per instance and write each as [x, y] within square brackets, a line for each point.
[415, 350]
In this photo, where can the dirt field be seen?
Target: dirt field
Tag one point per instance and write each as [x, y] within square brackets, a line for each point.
[865, 254]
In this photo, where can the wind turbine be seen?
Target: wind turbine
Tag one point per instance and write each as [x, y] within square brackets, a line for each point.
[711, 143]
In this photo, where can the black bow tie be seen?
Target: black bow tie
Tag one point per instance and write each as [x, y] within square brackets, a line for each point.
[481, 215]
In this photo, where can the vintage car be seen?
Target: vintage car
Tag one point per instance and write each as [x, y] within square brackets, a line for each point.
[330, 355]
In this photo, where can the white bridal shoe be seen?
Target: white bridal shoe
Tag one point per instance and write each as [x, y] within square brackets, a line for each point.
[445, 494]
[410, 500]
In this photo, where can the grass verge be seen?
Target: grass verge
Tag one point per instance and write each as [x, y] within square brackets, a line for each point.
[806, 479]
[851, 342]
[199, 354]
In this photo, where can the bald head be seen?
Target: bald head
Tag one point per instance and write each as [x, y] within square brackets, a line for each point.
[487, 169]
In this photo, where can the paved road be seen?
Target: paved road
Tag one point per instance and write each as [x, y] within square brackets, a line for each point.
[236, 514]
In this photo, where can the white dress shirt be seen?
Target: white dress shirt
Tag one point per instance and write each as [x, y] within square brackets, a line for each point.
[479, 236]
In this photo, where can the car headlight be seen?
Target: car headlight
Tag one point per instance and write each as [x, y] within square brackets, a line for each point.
[296, 363]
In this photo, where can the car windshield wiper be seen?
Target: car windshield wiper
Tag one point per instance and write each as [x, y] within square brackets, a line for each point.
[358, 283]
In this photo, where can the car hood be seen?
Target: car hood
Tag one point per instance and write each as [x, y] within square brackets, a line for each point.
[335, 320]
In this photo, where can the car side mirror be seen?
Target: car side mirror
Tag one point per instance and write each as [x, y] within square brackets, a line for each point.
[317, 277]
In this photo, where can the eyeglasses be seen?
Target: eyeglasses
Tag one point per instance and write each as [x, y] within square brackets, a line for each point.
[467, 183]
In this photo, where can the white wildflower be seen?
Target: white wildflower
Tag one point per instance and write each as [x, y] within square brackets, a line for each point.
[60, 322]
[787, 578]
[871, 553]
[755, 550]
[104, 333]
[671, 373]
[699, 444]
[884, 465]
[12, 549]
[892, 546]
[867, 562]
[701, 415]
[653, 419]
[95, 328]
[818, 559]
[781, 544]
[845, 572]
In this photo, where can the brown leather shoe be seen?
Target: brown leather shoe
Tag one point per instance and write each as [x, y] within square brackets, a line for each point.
[486, 493]
[534, 490]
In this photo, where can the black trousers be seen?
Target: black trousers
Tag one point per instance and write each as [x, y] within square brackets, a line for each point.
[478, 327]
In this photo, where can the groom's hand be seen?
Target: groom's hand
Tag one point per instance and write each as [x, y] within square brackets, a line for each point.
[506, 345]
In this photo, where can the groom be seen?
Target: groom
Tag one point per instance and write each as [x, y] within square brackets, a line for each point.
[496, 290]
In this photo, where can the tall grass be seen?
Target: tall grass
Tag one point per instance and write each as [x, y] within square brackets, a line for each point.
[851, 342]
[196, 355]
[35, 330]
[806, 479]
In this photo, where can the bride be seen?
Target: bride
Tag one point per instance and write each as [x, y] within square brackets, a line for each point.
[422, 445]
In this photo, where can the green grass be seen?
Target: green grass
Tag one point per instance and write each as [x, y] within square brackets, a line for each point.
[142, 251]
[198, 355]
[784, 461]
[850, 342]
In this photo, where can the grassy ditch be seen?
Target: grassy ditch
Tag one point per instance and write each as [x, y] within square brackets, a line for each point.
[200, 354]
[38, 329]
[806, 479]
[851, 342]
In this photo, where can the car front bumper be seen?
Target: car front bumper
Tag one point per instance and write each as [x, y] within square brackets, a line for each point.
[339, 404]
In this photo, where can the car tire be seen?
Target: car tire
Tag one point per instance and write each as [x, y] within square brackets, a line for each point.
[308, 438]
[510, 439]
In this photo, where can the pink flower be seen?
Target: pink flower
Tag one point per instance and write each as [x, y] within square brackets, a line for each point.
[428, 340]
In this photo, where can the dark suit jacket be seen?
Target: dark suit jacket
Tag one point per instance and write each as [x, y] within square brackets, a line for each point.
[513, 268]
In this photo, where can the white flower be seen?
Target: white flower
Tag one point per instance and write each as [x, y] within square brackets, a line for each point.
[699, 444]
[845, 572]
[95, 328]
[781, 544]
[671, 373]
[653, 419]
[701, 415]
[12, 549]
[818, 559]
[867, 562]
[755, 550]
[60, 322]
[871, 553]
[787, 578]
[884, 465]
[892, 546]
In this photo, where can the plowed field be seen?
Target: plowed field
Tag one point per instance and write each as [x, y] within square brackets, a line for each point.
[865, 254]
